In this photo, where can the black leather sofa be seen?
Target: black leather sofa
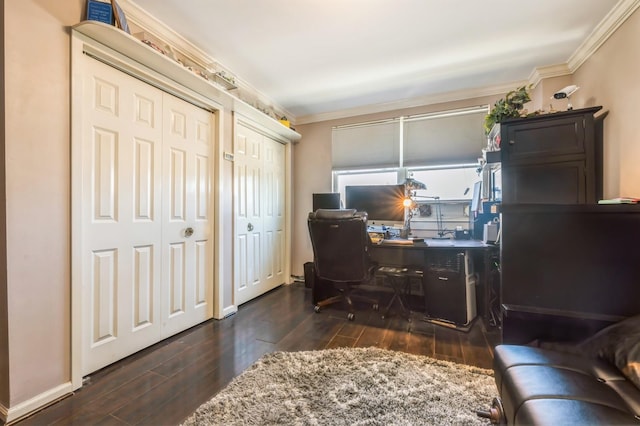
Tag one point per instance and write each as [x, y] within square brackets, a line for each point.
[594, 382]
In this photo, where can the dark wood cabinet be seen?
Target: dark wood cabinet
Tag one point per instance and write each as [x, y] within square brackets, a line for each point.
[568, 265]
[568, 270]
[550, 159]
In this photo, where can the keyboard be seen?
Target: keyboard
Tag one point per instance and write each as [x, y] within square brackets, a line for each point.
[398, 241]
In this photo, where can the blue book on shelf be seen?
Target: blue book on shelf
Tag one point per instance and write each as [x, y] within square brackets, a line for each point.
[99, 11]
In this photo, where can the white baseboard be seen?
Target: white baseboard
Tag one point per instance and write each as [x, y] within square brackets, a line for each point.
[229, 310]
[11, 414]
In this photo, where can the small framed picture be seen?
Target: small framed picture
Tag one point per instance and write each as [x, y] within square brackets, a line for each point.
[99, 11]
[121, 20]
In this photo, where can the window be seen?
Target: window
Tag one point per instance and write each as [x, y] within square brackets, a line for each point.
[447, 183]
[438, 149]
[435, 139]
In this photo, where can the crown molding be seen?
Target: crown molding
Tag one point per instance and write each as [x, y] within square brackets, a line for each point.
[611, 22]
[540, 73]
[459, 95]
[150, 24]
[159, 30]
[616, 17]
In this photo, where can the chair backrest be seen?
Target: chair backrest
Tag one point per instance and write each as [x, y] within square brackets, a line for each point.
[340, 244]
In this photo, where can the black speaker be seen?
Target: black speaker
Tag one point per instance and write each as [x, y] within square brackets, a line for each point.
[309, 274]
[329, 200]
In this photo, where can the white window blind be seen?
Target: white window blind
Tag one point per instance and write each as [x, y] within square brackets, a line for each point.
[366, 145]
[455, 137]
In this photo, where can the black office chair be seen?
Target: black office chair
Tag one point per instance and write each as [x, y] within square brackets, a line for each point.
[341, 255]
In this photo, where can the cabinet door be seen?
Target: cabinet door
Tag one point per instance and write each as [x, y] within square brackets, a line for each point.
[545, 183]
[555, 139]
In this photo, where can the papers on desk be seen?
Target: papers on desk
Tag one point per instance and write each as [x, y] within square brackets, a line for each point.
[620, 200]
[399, 241]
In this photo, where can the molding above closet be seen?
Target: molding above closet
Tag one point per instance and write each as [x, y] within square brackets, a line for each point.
[138, 52]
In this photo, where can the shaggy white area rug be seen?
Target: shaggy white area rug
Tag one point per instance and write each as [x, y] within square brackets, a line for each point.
[351, 386]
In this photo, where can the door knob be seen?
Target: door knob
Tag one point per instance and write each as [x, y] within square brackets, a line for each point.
[188, 232]
[249, 227]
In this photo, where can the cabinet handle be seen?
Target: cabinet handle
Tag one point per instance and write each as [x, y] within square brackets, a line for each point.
[512, 142]
[443, 278]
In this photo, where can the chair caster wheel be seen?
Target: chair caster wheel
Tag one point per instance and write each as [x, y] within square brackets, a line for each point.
[351, 316]
[316, 309]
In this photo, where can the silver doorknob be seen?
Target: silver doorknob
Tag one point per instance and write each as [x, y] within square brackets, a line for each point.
[188, 232]
[249, 227]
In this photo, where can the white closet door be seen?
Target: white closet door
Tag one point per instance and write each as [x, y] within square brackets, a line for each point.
[273, 213]
[122, 228]
[248, 215]
[187, 247]
[259, 180]
[147, 264]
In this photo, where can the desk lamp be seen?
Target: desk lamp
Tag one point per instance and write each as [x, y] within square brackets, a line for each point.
[410, 186]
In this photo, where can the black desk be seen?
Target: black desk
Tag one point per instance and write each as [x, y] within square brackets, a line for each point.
[431, 253]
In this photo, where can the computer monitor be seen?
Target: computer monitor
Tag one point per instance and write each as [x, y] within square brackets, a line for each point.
[383, 203]
[326, 200]
[477, 196]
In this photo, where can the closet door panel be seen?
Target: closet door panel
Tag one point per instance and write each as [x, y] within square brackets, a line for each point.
[274, 213]
[187, 257]
[121, 231]
[248, 255]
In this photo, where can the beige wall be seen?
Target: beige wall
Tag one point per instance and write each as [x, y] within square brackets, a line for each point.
[611, 78]
[4, 330]
[37, 147]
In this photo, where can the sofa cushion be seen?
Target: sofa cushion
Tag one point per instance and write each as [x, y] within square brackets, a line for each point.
[529, 382]
[507, 356]
[570, 412]
[618, 344]
[530, 379]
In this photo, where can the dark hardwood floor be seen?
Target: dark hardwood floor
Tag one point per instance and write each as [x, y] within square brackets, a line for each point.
[164, 384]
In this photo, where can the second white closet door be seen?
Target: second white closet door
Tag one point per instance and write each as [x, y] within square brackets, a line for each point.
[259, 196]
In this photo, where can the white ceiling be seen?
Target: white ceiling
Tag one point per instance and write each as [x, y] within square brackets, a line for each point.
[316, 57]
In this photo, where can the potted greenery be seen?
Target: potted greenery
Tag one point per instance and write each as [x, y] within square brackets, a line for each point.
[508, 107]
